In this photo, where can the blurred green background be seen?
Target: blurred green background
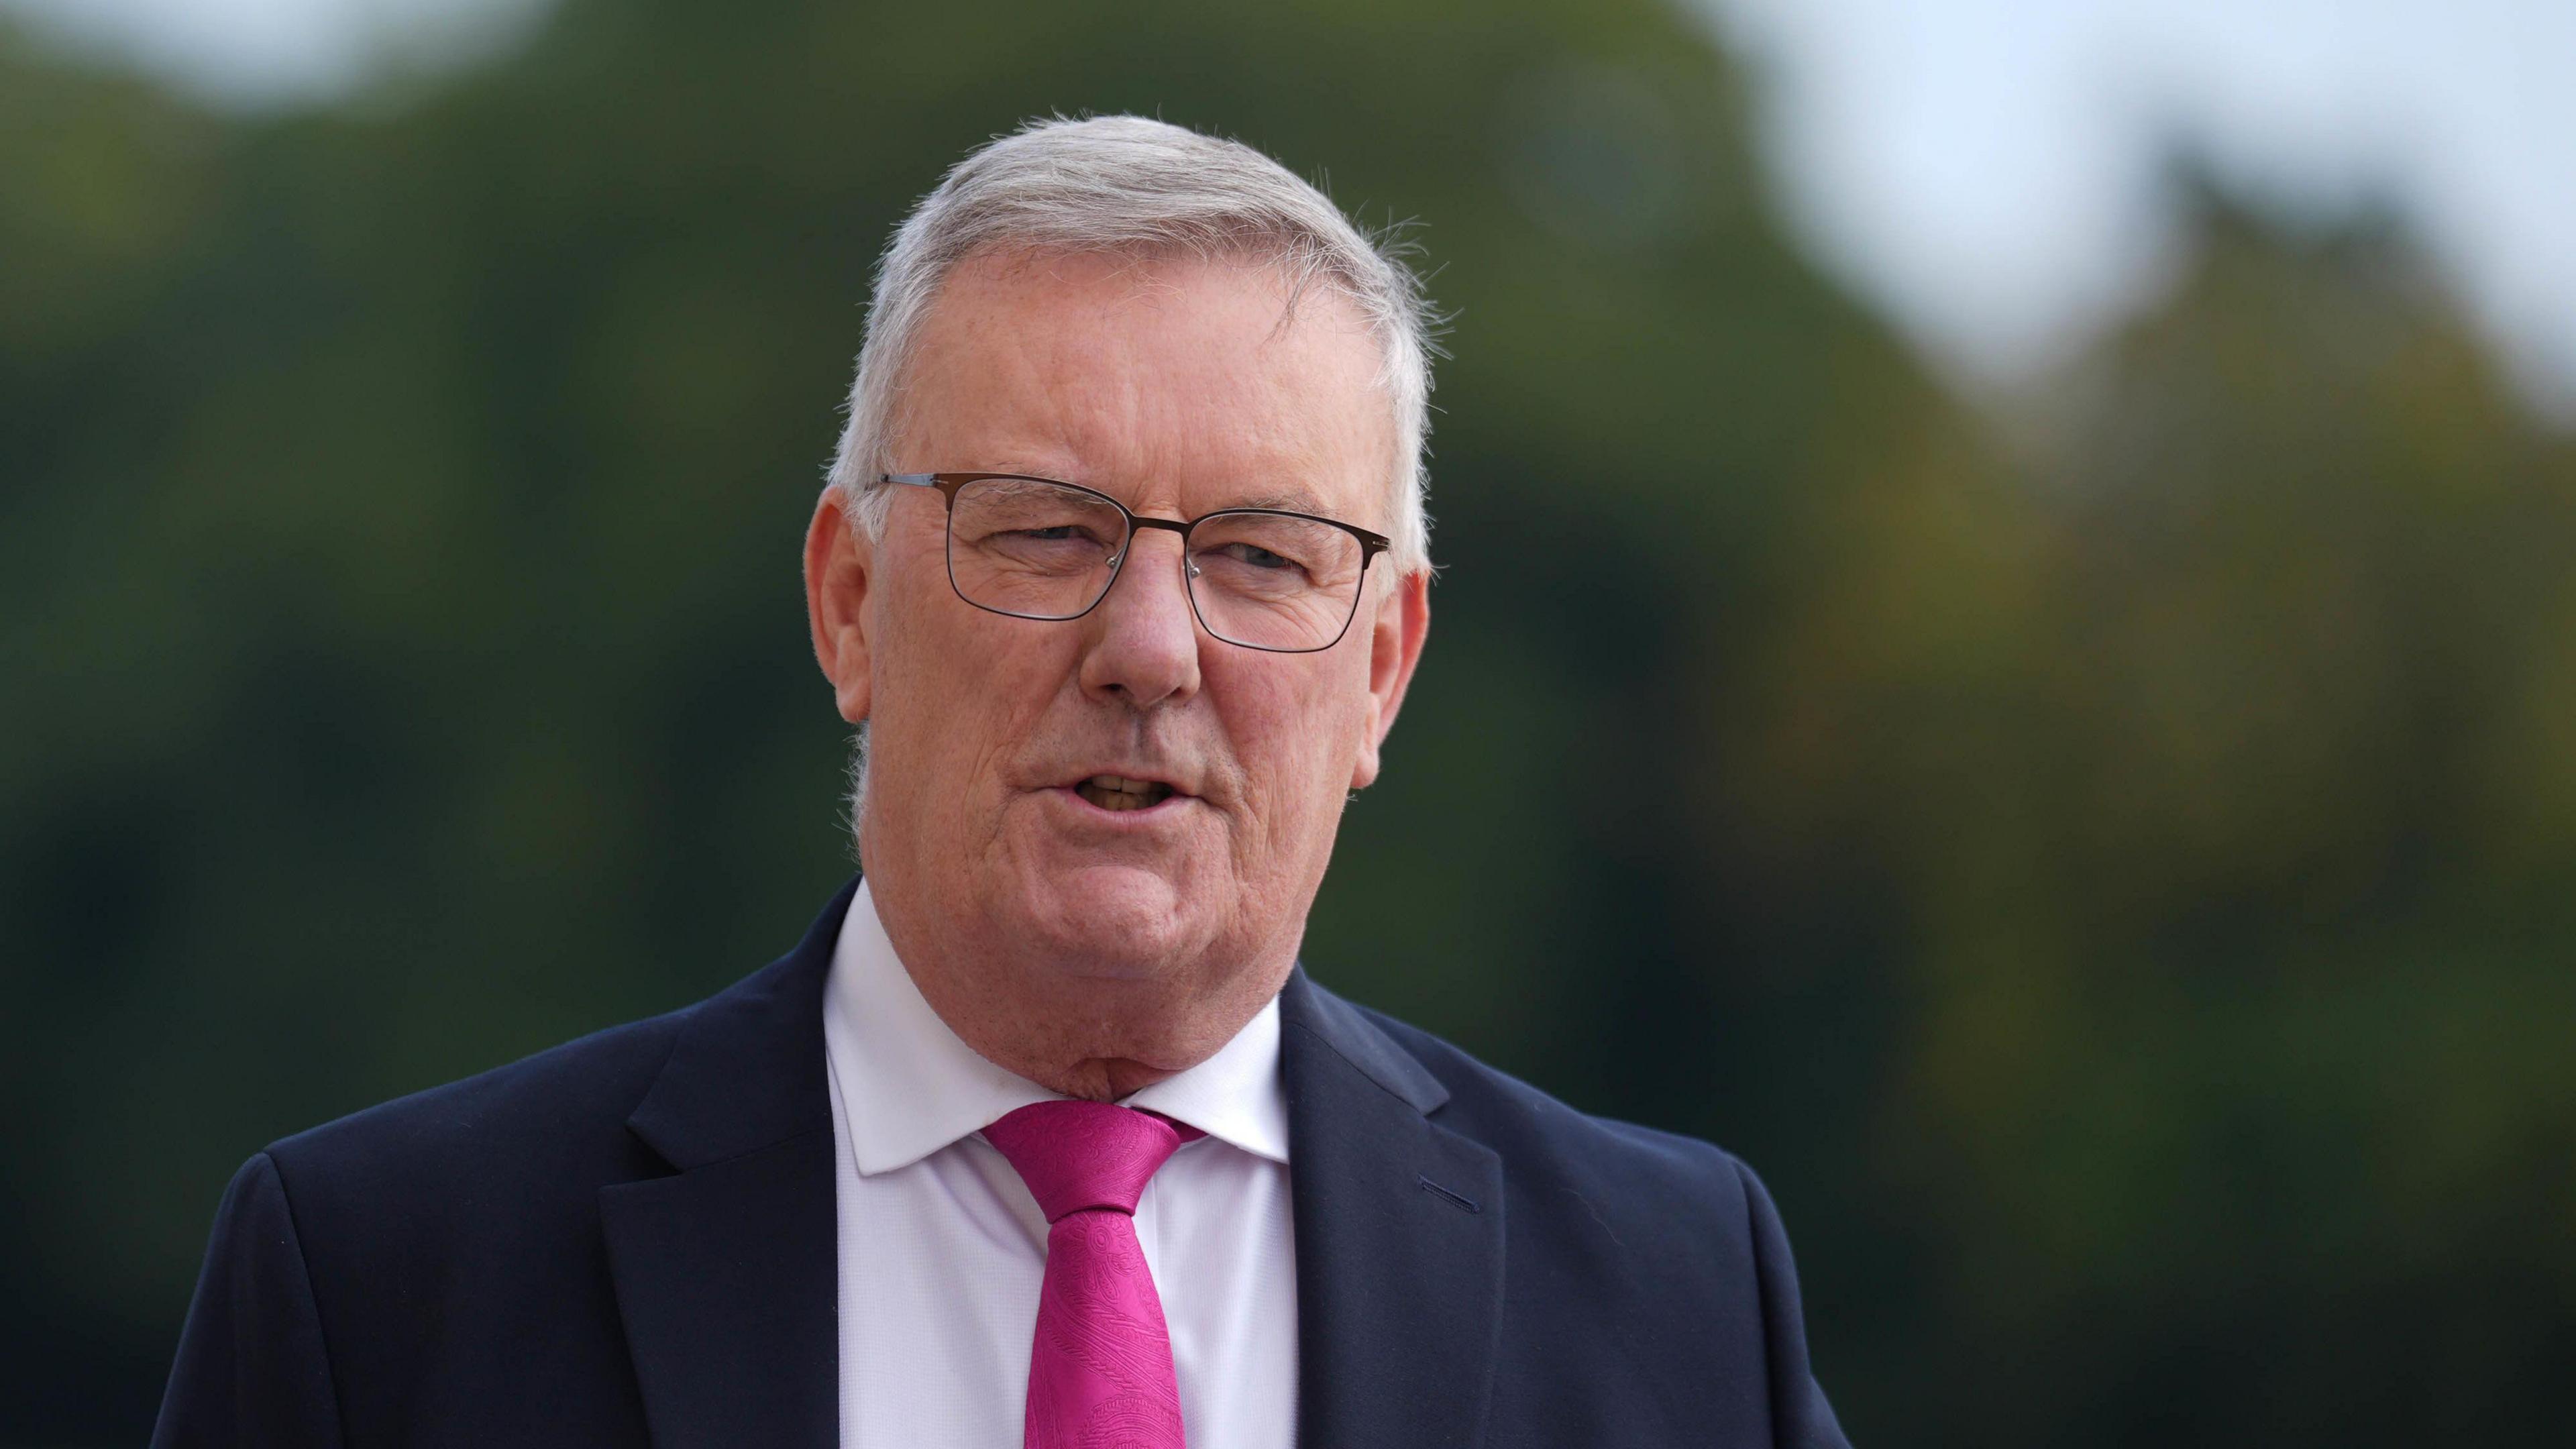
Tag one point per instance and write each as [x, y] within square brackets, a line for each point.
[2113, 869]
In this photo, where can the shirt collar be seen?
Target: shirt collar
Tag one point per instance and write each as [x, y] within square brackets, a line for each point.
[910, 1086]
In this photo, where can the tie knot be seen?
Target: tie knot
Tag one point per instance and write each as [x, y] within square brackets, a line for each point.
[1076, 1155]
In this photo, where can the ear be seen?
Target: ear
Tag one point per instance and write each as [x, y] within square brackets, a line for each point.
[1396, 631]
[839, 565]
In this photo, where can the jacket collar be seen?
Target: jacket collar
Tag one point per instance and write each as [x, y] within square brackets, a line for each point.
[1399, 1226]
[726, 1271]
[1339, 1027]
[738, 1078]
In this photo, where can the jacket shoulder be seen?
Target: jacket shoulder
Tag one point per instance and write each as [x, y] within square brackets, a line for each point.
[1617, 1174]
[1651, 1261]
[560, 1113]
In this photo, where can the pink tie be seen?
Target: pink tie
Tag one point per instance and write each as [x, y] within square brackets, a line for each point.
[1100, 1375]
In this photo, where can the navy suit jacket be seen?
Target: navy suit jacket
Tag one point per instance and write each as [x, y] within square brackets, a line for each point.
[629, 1240]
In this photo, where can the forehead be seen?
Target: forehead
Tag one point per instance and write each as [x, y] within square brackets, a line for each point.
[1176, 383]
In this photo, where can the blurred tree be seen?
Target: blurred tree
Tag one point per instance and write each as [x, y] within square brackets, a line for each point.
[2113, 888]
[2217, 762]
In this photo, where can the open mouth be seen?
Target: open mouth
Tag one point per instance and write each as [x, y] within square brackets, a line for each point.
[1117, 792]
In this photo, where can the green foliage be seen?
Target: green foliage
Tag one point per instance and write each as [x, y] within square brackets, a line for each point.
[2115, 888]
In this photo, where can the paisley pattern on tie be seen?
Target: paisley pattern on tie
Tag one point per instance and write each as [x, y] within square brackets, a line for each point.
[1100, 1370]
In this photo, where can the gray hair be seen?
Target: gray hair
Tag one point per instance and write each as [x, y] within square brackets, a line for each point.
[1127, 185]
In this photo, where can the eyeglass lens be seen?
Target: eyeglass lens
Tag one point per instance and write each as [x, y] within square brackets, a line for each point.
[1045, 551]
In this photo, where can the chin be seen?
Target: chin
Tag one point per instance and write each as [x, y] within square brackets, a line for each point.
[1120, 921]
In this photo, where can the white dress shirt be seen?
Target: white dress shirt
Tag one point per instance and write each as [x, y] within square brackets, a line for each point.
[942, 1248]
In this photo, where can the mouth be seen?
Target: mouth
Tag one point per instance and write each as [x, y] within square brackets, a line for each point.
[1117, 793]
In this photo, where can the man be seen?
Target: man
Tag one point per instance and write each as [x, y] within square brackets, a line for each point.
[1041, 1136]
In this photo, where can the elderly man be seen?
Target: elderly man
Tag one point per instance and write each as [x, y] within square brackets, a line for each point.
[1041, 1137]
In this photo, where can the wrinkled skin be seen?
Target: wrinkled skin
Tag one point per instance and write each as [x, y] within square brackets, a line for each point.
[1088, 950]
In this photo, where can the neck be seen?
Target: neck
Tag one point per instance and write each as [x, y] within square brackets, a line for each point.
[1094, 1035]
[1099, 1079]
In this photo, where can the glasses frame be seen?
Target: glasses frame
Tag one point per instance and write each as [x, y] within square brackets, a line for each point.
[947, 484]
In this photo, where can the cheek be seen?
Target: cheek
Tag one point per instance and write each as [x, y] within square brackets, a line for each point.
[966, 687]
[1300, 733]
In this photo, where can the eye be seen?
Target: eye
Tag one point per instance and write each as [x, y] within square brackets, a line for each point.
[1255, 556]
[1072, 546]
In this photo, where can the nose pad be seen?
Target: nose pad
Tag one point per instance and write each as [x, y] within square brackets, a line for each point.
[1190, 567]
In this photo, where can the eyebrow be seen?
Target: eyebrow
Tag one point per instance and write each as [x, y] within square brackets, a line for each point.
[1288, 500]
[1293, 501]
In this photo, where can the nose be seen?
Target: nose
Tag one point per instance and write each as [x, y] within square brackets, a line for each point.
[1143, 644]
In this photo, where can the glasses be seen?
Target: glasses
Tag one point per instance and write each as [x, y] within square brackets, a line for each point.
[1264, 578]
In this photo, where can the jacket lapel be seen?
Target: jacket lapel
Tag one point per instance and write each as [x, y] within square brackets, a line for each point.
[727, 1270]
[1399, 1226]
